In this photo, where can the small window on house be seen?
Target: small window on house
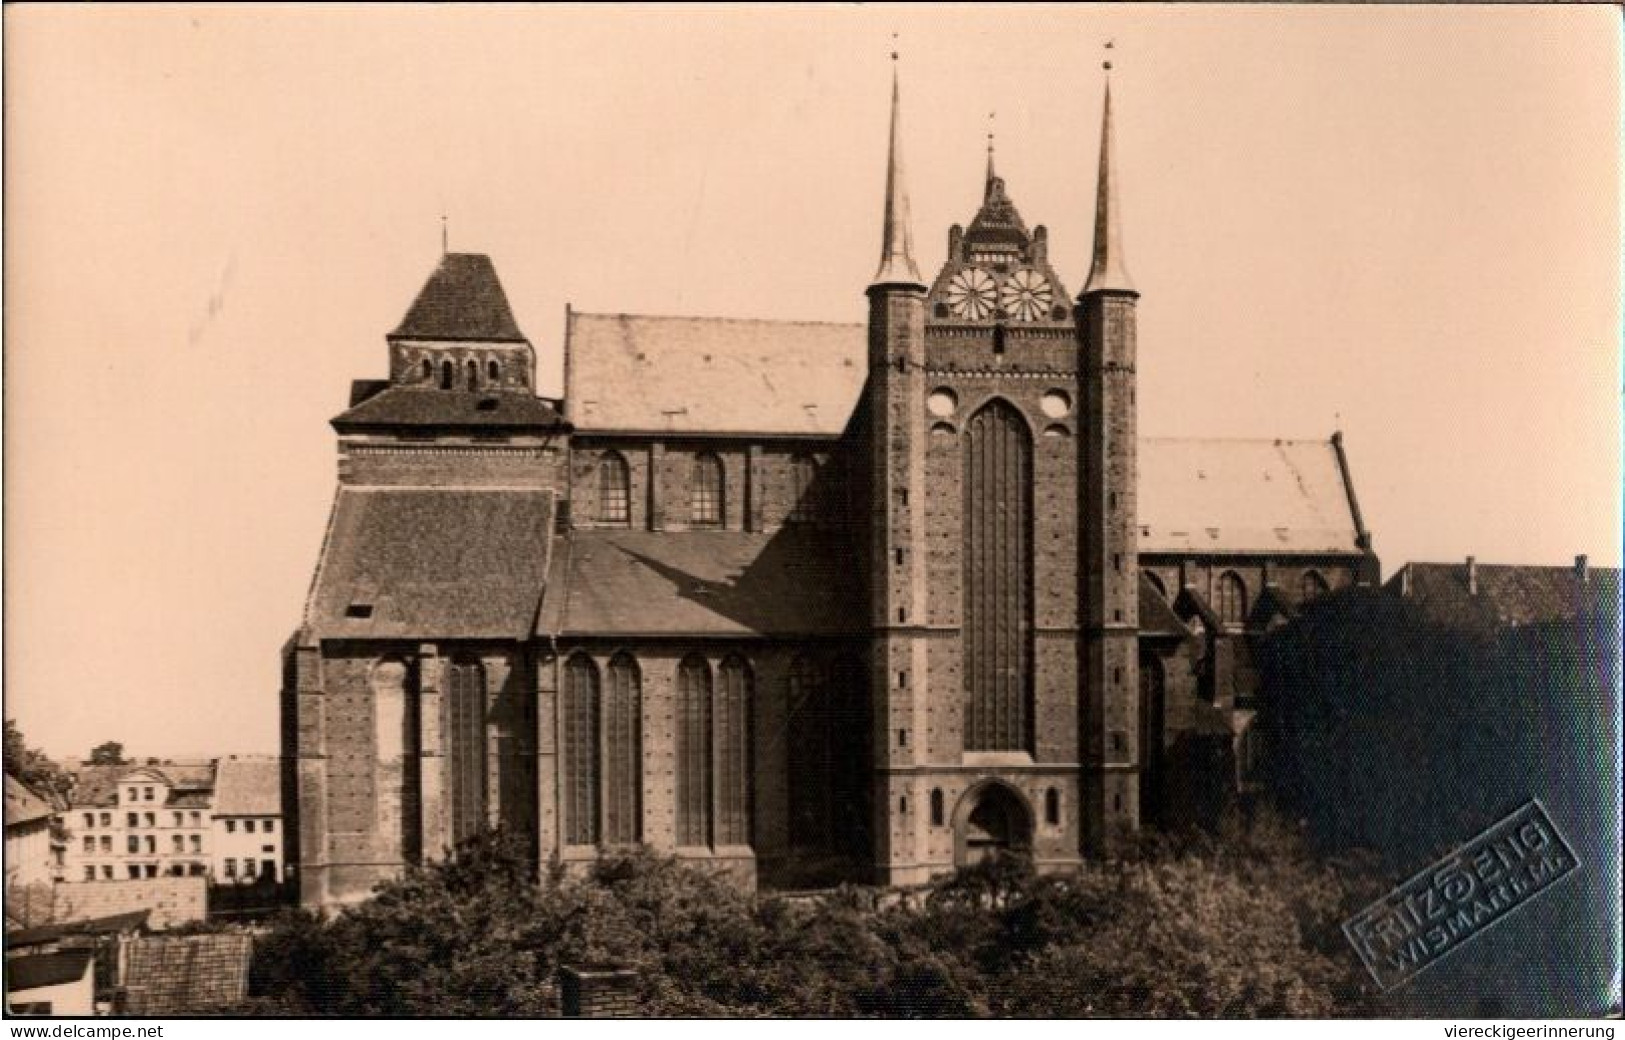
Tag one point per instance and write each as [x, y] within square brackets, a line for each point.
[107, 843]
[107, 819]
[231, 826]
[90, 873]
[1052, 807]
[180, 819]
[132, 844]
[177, 843]
[152, 819]
[270, 825]
[197, 819]
[614, 489]
[132, 819]
[90, 844]
[197, 843]
[1230, 599]
[231, 867]
[936, 808]
[152, 844]
[248, 825]
[705, 496]
[90, 819]
[135, 872]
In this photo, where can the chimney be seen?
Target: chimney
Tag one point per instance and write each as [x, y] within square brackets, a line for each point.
[1472, 576]
[1582, 570]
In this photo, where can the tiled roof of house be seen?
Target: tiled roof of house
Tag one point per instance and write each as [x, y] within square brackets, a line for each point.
[428, 407]
[462, 300]
[448, 564]
[793, 582]
[1261, 496]
[97, 785]
[1507, 595]
[46, 969]
[629, 372]
[194, 974]
[248, 787]
[111, 925]
[22, 804]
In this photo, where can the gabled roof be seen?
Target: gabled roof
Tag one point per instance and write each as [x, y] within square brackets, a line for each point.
[114, 924]
[97, 785]
[626, 372]
[46, 969]
[1507, 595]
[462, 300]
[713, 583]
[1253, 496]
[22, 804]
[174, 975]
[1157, 617]
[248, 787]
[418, 406]
[416, 563]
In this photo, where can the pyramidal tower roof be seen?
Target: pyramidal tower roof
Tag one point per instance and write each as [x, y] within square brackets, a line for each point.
[462, 300]
[1107, 273]
[897, 265]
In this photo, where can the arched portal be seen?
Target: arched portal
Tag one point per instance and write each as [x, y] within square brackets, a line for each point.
[992, 818]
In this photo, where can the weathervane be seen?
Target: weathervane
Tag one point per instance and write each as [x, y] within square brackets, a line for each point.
[1107, 64]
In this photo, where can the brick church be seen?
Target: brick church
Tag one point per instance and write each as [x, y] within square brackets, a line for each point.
[807, 602]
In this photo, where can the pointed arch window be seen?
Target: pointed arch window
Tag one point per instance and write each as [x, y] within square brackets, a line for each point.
[803, 474]
[733, 709]
[705, 494]
[998, 565]
[623, 753]
[465, 710]
[1230, 598]
[1311, 586]
[473, 374]
[579, 716]
[428, 370]
[448, 373]
[694, 781]
[614, 489]
[493, 371]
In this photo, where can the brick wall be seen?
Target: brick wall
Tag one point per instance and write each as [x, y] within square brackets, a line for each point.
[172, 900]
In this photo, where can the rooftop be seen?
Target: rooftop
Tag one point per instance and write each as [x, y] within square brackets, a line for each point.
[462, 300]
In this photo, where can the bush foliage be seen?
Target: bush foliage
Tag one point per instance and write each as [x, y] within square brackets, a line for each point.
[1240, 925]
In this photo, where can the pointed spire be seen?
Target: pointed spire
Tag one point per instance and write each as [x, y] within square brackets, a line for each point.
[992, 175]
[897, 241]
[1107, 274]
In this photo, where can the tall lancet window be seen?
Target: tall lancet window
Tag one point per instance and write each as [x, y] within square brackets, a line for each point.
[623, 753]
[694, 779]
[465, 715]
[734, 696]
[705, 491]
[614, 489]
[998, 579]
[580, 731]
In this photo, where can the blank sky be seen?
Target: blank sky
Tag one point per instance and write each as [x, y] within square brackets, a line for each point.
[1398, 221]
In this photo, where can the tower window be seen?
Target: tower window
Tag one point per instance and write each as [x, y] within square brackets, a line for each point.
[447, 375]
[493, 369]
[902, 738]
[473, 374]
[902, 804]
[1052, 807]
[614, 492]
[428, 370]
[936, 807]
[705, 492]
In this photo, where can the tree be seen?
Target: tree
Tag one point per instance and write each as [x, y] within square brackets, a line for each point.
[34, 767]
[108, 754]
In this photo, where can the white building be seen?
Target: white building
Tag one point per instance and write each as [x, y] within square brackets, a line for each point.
[247, 836]
[139, 822]
[29, 857]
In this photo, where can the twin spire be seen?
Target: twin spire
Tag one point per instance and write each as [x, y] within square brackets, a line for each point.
[897, 267]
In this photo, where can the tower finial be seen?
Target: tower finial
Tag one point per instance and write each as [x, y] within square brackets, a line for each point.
[1107, 272]
[897, 237]
[445, 236]
[992, 124]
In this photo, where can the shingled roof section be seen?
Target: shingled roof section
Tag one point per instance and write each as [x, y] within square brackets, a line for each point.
[46, 969]
[428, 408]
[462, 300]
[1507, 595]
[1251, 496]
[182, 975]
[22, 804]
[705, 583]
[626, 372]
[248, 787]
[449, 564]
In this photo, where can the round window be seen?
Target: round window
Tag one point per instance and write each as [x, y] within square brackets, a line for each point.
[1055, 404]
[942, 402]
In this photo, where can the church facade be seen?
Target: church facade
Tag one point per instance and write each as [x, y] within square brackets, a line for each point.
[806, 602]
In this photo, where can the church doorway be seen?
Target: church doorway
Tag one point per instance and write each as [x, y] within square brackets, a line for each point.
[991, 819]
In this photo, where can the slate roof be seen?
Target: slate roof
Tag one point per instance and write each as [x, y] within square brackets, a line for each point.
[462, 300]
[446, 564]
[1259, 496]
[430, 407]
[187, 974]
[96, 785]
[248, 787]
[1508, 595]
[711, 583]
[113, 924]
[46, 969]
[22, 804]
[1157, 617]
[626, 372]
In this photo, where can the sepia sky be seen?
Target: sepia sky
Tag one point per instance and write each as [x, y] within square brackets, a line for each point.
[1398, 221]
